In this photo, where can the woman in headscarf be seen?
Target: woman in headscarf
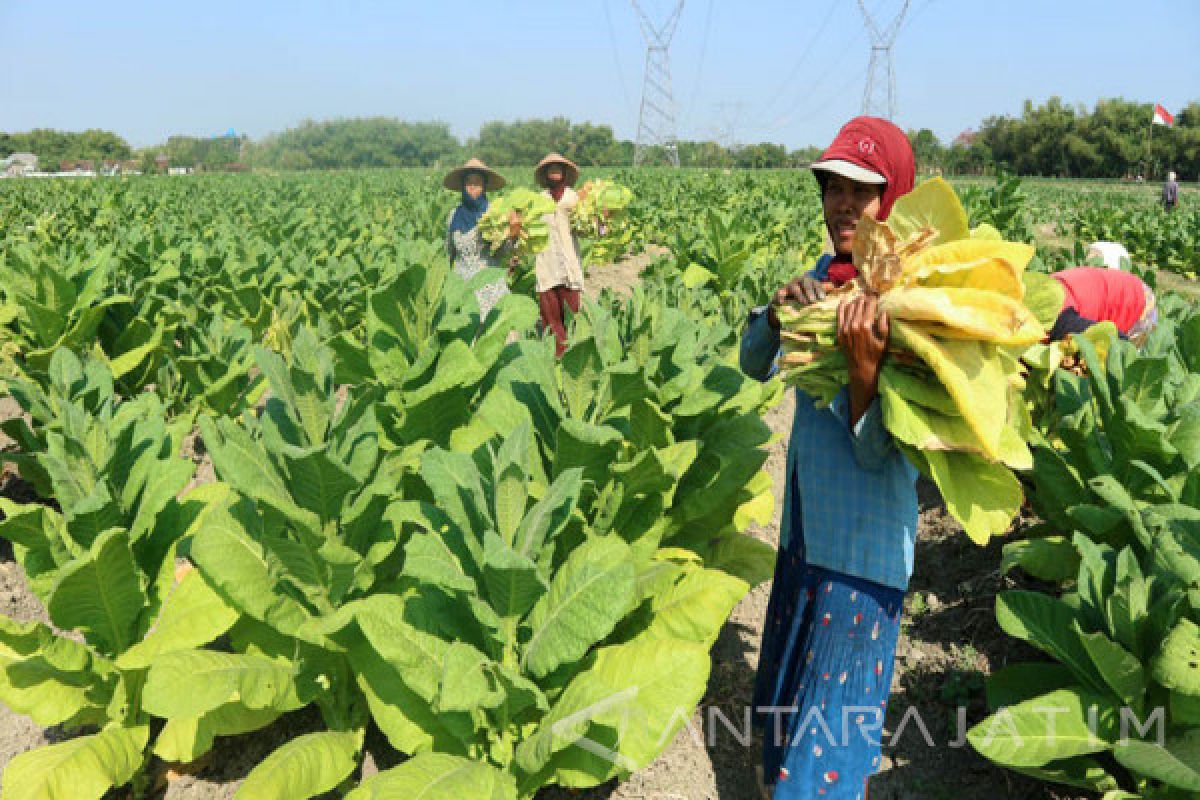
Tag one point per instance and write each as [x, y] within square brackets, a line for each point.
[558, 268]
[465, 246]
[850, 510]
[1095, 294]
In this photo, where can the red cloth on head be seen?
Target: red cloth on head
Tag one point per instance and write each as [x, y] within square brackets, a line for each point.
[881, 147]
[1104, 295]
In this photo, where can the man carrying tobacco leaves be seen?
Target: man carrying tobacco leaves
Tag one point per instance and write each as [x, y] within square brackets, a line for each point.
[850, 508]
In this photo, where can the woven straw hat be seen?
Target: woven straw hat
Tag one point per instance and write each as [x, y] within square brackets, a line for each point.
[492, 180]
[570, 171]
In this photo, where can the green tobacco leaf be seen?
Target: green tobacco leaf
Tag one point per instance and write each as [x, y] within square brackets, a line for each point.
[235, 564]
[436, 408]
[242, 463]
[182, 740]
[1185, 709]
[510, 493]
[47, 691]
[695, 608]
[101, 594]
[592, 591]
[645, 691]
[592, 448]
[189, 683]
[305, 767]
[437, 776]
[1050, 558]
[429, 559]
[1017, 683]
[135, 345]
[405, 718]
[457, 487]
[466, 685]
[1046, 623]
[193, 615]
[745, 557]
[1176, 762]
[77, 769]
[512, 581]
[318, 481]
[1177, 665]
[1047, 728]
[404, 642]
[1081, 771]
[550, 514]
[1119, 668]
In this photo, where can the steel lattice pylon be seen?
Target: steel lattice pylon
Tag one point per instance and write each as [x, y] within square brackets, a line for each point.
[656, 118]
[879, 98]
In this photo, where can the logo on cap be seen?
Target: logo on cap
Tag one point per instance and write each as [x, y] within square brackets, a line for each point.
[866, 146]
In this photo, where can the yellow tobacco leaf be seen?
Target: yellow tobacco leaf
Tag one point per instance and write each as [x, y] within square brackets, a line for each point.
[983, 496]
[922, 427]
[985, 231]
[934, 205]
[972, 264]
[925, 428]
[965, 314]
[971, 373]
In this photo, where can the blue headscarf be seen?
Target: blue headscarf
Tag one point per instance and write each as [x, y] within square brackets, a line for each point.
[470, 209]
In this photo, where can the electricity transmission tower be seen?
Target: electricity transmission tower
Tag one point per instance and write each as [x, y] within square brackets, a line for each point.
[879, 99]
[656, 119]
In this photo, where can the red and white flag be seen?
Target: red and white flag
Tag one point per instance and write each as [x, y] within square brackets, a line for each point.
[1162, 116]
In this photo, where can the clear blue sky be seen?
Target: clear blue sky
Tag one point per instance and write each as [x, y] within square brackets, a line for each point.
[147, 70]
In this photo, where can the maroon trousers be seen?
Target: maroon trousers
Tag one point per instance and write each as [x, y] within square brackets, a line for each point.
[551, 303]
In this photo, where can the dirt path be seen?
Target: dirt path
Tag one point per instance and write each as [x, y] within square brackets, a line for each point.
[621, 276]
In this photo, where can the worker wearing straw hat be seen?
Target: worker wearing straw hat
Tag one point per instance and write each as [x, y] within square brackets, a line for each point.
[558, 268]
[468, 251]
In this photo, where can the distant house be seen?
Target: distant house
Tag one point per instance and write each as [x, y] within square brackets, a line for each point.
[77, 165]
[235, 166]
[18, 164]
[179, 170]
[162, 162]
[966, 138]
[126, 167]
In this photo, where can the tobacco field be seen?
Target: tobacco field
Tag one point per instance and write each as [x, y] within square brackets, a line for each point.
[267, 468]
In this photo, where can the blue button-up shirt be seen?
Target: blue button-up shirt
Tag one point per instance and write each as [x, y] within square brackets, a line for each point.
[850, 493]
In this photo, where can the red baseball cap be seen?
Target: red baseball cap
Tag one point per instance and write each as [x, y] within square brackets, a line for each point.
[872, 150]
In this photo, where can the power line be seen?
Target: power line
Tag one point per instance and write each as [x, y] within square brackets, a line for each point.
[800, 98]
[813, 110]
[700, 68]
[913, 17]
[804, 53]
[612, 41]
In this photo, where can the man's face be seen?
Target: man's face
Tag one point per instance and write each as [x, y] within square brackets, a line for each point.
[554, 175]
[844, 202]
